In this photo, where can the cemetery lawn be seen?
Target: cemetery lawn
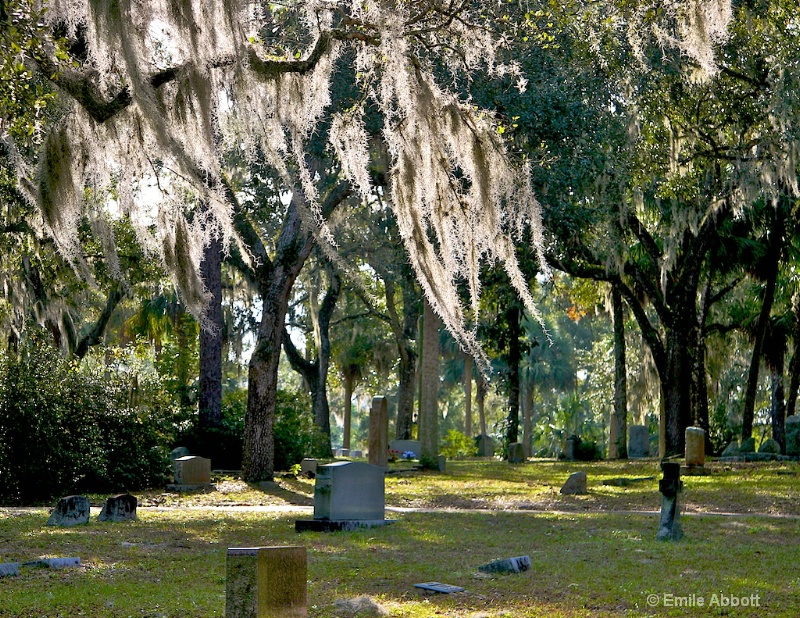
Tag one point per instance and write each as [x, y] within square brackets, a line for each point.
[592, 555]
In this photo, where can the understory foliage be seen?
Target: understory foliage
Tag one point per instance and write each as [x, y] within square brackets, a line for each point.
[68, 427]
[296, 436]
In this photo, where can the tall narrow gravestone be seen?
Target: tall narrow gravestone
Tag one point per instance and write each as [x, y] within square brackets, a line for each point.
[638, 442]
[347, 495]
[379, 432]
[695, 453]
[669, 528]
[266, 582]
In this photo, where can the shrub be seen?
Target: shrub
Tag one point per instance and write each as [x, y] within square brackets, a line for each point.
[296, 436]
[456, 444]
[67, 427]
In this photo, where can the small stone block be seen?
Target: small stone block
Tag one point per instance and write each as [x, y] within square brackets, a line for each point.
[54, 563]
[342, 452]
[119, 508]
[192, 470]
[266, 582]
[516, 453]
[9, 569]
[508, 565]
[70, 511]
[308, 467]
[442, 463]
[575, 484]
[438, 587]
[356, 453]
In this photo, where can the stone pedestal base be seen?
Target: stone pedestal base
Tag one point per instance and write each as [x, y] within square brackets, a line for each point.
[346, 525]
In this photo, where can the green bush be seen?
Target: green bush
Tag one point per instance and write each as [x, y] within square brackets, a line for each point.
[456, 445]
[296, 436]
[67, 427]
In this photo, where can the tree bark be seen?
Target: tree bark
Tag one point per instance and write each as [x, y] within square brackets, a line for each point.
[618, 432]
[480, 397]
[514, 357]
[794, 364]
[210, 380]
[349, 387]
[429, 390]
[467, 395]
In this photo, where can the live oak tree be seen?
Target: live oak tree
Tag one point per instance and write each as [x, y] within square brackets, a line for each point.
[156, 91]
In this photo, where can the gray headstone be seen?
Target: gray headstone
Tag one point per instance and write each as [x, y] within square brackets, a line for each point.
[349, 490]
[308, 467]
[119, 508]
[356, 453]
[508, 565]
[343, 452]
[442, 463]
[732, 450]
[770, 446]
[793, 435]
[516, 453]
[266, 582]
[638, 442]
[178, 452]
[748, 446]
[571, 448]
[575, 484]
[485, 446]
[70, 511]
[406, 446]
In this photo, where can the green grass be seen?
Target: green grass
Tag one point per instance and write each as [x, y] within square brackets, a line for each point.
[594, 557]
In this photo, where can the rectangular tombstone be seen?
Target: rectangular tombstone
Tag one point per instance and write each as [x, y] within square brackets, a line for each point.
[638, 442]
[379, 432]
[192, 470]
[349, 490]
[695, 452]
[266, 582]
[485, 445]
[308, 467]
[793, 435]
[406, 446]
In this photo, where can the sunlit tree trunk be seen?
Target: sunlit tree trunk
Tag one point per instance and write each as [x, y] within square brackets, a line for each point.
[429, 389]
[210, 381]
[467, 395]
[514, 315]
